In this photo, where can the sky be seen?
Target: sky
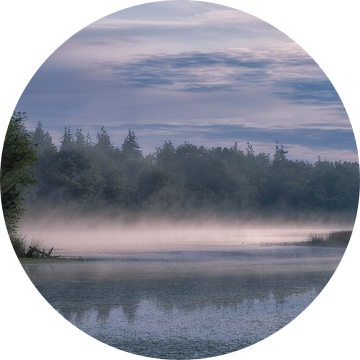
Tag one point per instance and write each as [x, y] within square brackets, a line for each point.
[190, 71]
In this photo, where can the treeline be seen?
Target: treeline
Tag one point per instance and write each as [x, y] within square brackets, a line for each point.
[97, 176]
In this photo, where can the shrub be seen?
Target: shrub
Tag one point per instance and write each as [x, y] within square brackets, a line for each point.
[333, 238]
[316, 239]
[18, 244]
[339, 237]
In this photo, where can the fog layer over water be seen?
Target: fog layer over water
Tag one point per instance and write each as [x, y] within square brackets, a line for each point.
[83, 237]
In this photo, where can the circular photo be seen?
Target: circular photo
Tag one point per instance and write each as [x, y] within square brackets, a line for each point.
[179, 180]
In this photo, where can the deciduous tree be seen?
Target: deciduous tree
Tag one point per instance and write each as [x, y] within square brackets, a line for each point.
[17, 161]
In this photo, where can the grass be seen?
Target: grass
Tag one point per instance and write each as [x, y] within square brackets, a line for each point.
[333, 238]
[21, 249]
[40, 260]
[25, 260]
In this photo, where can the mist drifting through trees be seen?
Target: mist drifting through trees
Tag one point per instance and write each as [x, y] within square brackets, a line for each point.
[186, 180]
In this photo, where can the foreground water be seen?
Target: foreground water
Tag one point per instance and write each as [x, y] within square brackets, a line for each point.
[186, 304]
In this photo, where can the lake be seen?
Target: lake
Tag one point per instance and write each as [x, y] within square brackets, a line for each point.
[186, 302]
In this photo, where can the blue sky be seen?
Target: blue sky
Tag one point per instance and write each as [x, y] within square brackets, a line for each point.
[190, 71]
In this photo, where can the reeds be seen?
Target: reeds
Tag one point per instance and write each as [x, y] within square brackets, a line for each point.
[21, 246]
[333, 238]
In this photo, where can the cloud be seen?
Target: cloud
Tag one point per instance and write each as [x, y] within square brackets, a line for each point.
[177, 15]
[189, 71]
[296, 80]
[309, 91]
[192, 71]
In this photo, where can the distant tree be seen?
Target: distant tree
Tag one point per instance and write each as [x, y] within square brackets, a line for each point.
[322, 166]
[80, 141]
[279, 179]
[103, 139]
[67, 140]
[235, 146]
[68, 174]
[280, 153]
[17, 161]
[186, 150]
[165, 156]
[150, 180]
[130, 149]
[249, 149]
[41, 140]
[209, 178]
[113, 187]
[88, 141]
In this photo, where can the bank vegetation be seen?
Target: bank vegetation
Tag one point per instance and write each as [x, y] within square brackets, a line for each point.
[333, 238]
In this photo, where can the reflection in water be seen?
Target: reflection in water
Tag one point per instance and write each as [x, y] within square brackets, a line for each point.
[186, 304]
[201, 332]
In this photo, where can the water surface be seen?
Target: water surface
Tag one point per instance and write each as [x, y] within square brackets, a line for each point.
[186, 304]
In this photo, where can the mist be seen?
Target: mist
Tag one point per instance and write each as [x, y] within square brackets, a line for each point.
[70, 231]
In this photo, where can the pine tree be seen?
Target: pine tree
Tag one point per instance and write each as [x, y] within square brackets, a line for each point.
[130, 149]
[165, 155]
[88, 141]
[80, 141]
[41, 140]
[249, 149]
[103, 139]
[67, 142]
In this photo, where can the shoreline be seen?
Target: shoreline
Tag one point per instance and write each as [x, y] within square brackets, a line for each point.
[47, 260]
[334, 239]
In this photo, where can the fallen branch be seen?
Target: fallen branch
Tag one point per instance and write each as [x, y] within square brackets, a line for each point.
[34, 253]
